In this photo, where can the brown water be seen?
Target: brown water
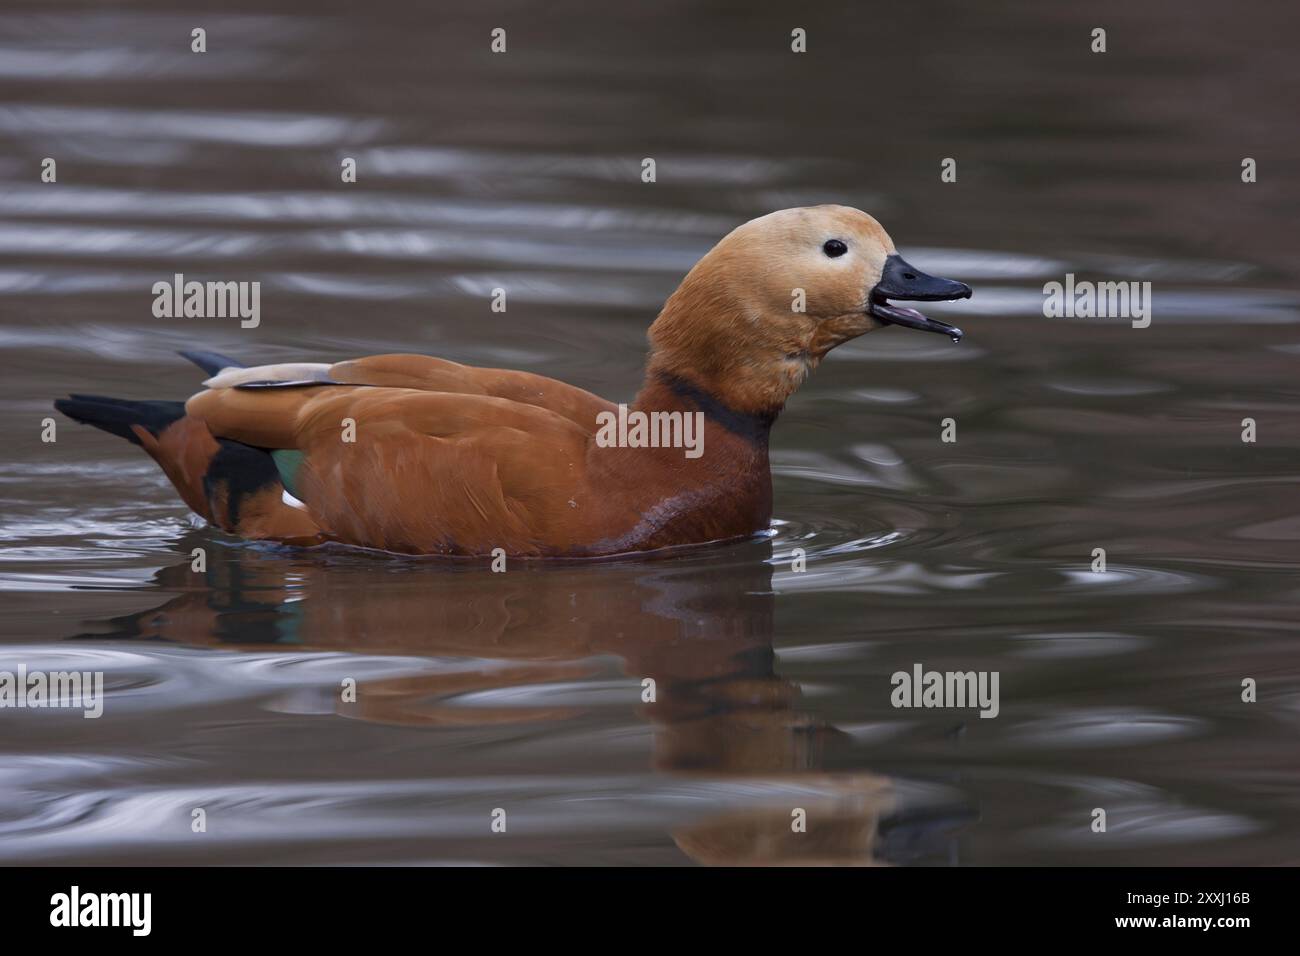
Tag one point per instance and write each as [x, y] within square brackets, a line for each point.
[522, 691]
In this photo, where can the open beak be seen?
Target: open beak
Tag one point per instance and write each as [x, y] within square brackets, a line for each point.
[902, 281]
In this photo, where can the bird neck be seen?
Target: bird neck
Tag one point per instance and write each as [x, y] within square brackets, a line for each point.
[719, 345]
[669, 389]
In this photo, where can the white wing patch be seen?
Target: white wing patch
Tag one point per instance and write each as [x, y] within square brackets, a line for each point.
[290, 373]
[291, 501]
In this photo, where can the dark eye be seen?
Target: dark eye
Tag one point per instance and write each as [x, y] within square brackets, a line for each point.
[834, 248]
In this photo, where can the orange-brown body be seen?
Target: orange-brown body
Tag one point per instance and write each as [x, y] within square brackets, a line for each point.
[449, 459]
[414, 454]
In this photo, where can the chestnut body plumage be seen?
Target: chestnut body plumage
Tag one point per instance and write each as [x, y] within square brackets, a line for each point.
[420, 455]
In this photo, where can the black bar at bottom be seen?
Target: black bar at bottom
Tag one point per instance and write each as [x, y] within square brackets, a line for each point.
[304, 905]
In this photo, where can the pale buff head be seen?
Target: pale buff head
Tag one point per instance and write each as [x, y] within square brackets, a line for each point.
[765, 305]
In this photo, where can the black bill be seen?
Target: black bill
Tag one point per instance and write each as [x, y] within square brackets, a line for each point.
[902, 281]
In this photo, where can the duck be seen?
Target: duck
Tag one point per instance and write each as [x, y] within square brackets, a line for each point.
[419, 455]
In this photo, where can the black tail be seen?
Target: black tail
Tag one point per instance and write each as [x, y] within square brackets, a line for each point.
[232, 475]
[117, 415]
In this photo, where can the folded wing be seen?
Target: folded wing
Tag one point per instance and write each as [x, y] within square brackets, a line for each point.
[416, 454]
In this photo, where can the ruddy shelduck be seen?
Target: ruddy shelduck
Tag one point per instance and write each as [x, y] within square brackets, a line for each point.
[420, 455]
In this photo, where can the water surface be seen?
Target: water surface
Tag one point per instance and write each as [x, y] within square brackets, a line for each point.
[523, 691]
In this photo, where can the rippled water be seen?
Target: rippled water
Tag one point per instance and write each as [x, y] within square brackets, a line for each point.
[522, 691]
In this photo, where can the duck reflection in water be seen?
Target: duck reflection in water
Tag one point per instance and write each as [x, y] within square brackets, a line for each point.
[699, 626]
